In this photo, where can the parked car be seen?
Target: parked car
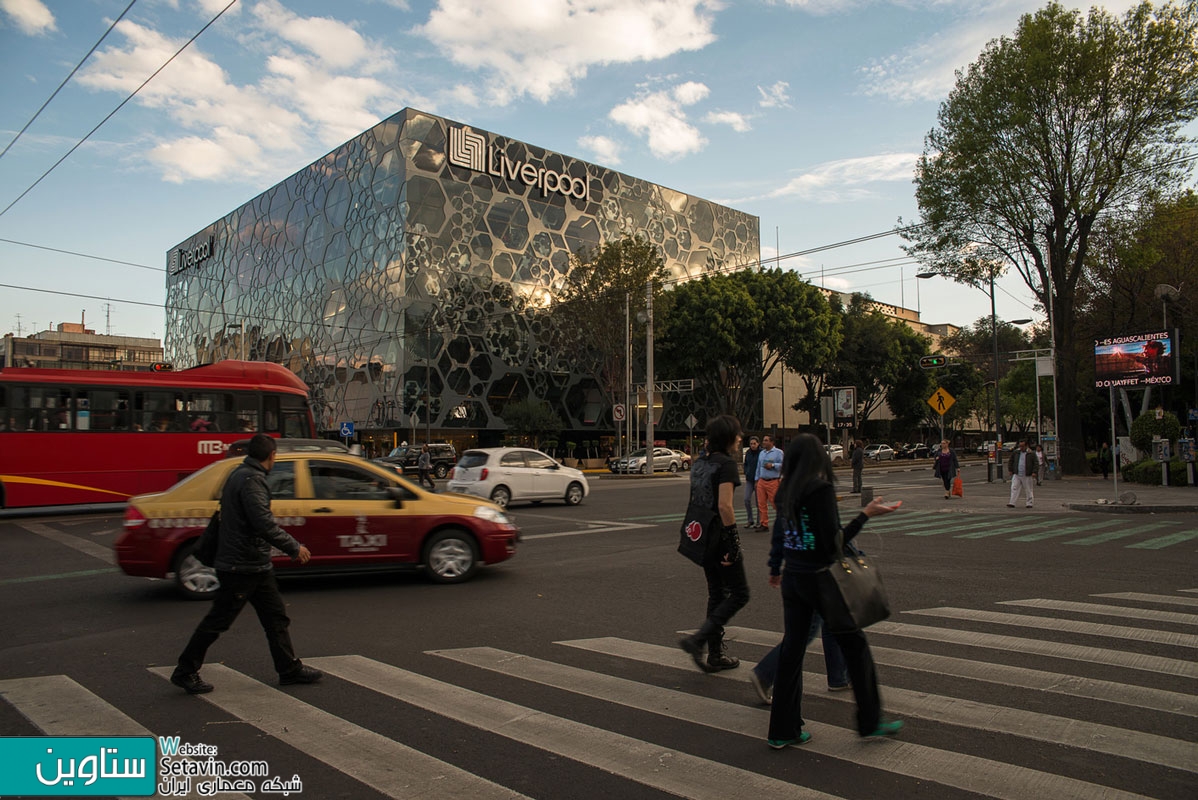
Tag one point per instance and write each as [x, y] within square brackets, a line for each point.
[1007, 446]
[686, 459]
[664, 460]
[879, 452]
[354, 515]
[918, 450]
[517, 474]
[404, 458]
[835, 452]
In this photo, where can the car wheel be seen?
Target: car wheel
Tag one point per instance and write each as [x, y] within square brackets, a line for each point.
[194, 580]
[574, 494]
[501, 496]
[645, 468]
[450, 556]
[673, 466]
[441, 471]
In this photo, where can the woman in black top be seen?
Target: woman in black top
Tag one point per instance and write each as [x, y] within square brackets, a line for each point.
[714, 479]
[804, 543]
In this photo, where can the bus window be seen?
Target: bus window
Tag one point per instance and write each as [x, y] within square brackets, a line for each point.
[210, 411]
[245, 409]
[295, 418]
[159, 411]
[270, 414]
[7, 422]
[101, 409]
[45, 408]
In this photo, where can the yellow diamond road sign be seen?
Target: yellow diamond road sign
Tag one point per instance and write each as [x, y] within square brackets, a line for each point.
[941, 401]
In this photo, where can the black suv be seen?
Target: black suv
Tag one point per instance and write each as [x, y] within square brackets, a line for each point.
[444, 456]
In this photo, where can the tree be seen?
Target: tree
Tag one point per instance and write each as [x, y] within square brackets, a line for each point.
[1068, 119]
[731, 331]
[532, 418]
[590, 313]
[880, 357]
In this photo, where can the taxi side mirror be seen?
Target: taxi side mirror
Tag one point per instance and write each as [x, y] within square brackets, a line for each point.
[396, 494]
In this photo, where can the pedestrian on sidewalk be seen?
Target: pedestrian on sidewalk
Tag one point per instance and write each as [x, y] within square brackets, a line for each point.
[1104, 459]
[713, 485]
[752, 512]
[803, 546]
[247, 532]
[857, 460]
[1041, 464]
[1022, 466]
[769, 470]
[946, 467]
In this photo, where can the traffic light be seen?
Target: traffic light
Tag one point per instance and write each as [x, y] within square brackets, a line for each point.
[932, 362]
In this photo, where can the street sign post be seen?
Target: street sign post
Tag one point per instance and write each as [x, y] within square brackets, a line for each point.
[618, 412]
[347, 431]
[941, 401]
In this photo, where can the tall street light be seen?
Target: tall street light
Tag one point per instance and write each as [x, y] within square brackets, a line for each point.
[994, 342]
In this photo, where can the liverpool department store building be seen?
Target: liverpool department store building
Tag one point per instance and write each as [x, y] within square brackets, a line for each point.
[426, 253]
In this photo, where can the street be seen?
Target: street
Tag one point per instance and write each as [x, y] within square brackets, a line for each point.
[1032, 653]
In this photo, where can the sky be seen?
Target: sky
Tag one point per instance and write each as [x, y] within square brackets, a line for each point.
[809, 114]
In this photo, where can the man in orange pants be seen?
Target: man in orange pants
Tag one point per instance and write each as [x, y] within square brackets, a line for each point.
[769, 469]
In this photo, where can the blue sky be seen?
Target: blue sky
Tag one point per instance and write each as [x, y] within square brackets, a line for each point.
[807, 113]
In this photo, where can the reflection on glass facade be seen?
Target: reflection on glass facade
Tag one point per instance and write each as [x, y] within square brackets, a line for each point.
[424, 254]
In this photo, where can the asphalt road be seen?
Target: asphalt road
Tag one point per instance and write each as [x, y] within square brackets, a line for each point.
[1033, 653]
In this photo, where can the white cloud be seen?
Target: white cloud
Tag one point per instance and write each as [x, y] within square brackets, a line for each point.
[541, 47]
[738, 122]
[660, 118]
[848, 179]
[30, 16]
[317, 89]
[774, 96]
[607, 151]
[926, 70]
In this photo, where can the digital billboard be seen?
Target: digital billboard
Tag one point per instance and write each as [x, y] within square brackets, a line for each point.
[1141, 359]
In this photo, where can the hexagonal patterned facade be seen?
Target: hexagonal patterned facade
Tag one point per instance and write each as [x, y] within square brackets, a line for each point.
[405, 275]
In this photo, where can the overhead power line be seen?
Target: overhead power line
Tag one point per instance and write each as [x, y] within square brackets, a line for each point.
[68, 78]
[112, 113]
[83, 255]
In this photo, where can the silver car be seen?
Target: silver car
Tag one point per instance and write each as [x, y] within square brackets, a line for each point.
[664, 460]
[516, 474]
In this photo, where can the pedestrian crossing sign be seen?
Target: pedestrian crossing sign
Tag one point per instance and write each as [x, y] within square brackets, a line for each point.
[941, 401]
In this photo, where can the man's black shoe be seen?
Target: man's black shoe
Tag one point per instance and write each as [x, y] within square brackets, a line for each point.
[301, 675]
[191, 683]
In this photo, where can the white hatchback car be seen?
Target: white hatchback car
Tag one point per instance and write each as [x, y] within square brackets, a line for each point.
[516, 474]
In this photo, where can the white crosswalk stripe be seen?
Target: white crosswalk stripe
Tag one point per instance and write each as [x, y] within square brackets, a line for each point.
[1031, 708]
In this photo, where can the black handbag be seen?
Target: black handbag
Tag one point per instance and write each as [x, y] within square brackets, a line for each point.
[205, 551]
[851, 593]
[698, 533]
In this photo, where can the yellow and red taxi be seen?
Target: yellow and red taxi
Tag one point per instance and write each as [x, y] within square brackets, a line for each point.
[355, 516]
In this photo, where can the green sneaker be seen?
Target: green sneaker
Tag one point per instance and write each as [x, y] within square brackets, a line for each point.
[887, 728]
[782, 744]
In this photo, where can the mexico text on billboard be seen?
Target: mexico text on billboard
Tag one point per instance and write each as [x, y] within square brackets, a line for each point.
[1141, 359]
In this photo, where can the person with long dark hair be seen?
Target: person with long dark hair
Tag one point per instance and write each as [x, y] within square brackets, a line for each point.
[714, 480]
[803, 545]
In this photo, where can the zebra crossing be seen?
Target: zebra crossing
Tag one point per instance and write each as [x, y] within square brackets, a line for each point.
[1013, 527]
[1075, 676]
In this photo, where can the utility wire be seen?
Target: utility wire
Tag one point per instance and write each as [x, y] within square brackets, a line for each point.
[68, 77]
[83, 255]
[118, 108]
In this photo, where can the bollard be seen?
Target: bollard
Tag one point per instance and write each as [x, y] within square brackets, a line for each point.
[867, 495]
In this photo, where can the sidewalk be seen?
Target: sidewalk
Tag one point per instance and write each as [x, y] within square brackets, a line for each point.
[1075, 493]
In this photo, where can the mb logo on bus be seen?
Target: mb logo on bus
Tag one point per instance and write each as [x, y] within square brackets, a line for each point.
[211, 447]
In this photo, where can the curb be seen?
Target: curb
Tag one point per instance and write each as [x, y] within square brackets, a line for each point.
[1117, 508]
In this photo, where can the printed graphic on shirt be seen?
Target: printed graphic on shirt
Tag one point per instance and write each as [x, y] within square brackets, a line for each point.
[703, 473]
[801, 539]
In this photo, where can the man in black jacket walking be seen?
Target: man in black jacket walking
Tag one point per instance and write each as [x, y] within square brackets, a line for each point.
[243, 566]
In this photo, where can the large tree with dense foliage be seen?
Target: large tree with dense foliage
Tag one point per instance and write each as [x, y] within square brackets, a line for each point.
[731, 331]
[1068, 119]
[590, 310]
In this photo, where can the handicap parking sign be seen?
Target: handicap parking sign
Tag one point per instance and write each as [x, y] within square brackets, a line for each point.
[347, 429]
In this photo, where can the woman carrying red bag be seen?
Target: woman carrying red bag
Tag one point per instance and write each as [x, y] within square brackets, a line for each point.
[947, 468]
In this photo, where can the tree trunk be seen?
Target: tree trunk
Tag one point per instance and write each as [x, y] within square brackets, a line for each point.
[1069, 427]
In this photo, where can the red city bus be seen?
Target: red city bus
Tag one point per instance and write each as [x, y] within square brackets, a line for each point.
[92, 436]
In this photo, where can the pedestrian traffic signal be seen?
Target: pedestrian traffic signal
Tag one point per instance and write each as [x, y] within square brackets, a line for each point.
[932, 362]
